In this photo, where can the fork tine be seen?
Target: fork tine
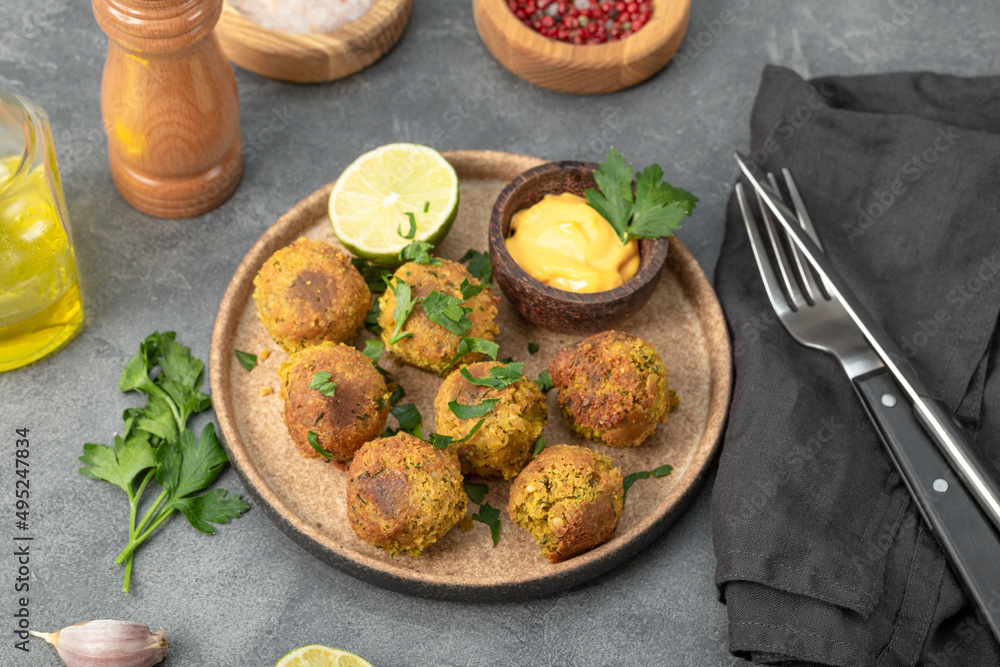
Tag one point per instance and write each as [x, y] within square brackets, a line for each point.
[805, 272]
[784, 266]
[806, 222]
[771, 284]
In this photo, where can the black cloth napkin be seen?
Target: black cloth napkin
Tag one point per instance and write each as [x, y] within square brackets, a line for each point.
[822, 556]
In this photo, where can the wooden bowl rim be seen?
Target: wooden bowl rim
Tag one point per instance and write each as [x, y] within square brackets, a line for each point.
[558, 576]
[559, 54]
[646, 273]
[370, 23]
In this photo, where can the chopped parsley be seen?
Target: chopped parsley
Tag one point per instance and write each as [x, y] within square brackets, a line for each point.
[247, 360]
[479, 265]
[532, 348]
[419, 252]
[472, 411]
[374, 348]
[468, 289]
[448, 312]
[662, 471]
[314, 441]
[499, 377]
[491, 517]
[321, 383]
[539, 446]
[404, 306]
[476, 492]
[374, 275]
[544, 381]
[409, 418]
[412, 230]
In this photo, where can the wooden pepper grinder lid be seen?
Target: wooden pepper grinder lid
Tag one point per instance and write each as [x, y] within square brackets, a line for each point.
[170, 107]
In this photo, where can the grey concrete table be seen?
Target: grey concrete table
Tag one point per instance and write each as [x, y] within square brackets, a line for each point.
[248, 594]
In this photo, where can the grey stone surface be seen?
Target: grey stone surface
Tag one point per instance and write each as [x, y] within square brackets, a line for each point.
[248, 594]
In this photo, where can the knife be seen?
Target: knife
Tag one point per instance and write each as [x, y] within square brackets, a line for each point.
[932, 414]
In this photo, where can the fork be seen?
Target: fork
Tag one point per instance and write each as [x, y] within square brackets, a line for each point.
[813, 314]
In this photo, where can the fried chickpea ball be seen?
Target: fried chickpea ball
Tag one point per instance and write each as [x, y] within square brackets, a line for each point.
[503, 444]
[431, 346]
[612, 388]
[404, 495]
[308, 293]
[569, 498]
[353, 415]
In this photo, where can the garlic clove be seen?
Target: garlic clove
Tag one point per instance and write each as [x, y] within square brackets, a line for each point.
[108, 644]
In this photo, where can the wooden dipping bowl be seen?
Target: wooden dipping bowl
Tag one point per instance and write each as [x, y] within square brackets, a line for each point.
[315, 57]
[555, 309]
[572, 68]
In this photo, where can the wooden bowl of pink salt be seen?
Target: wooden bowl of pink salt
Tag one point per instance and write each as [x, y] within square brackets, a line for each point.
[310, 41]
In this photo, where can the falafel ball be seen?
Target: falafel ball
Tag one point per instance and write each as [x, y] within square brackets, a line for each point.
[612, 388]
[344, 416]
[569, 498]
[308, 293]
[431, 346]
[503, 444]
[404, 495]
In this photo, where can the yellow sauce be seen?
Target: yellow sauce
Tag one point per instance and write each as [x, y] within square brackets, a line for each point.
[566, 244]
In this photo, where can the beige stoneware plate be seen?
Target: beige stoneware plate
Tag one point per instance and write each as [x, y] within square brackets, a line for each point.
[306, 497]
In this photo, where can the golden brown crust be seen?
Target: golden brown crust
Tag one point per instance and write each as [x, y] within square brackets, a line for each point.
[355, 414]
[612, 388]
[308, 293]
[503, 444]
[404, 495]
[569, 498]
[431, 346]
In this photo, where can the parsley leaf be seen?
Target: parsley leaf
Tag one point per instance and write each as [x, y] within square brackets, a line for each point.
[216, 506]
[479, 265]
[442, 441]
[614, 201]
[419, 252]
[371, 320]
[532, 348]
[539, 446]
[374, 275]
[321, 383]
[427, 206]
[468, 289]
[476, 492]
[470, 344]
[374, 348]
[662, 471]
[499, 377]
[544, 381]
[397, 395]
[412, 231]
[463, 411]
[409, 418]
[247, 361]
[448, 312]
[404, 306]
[654, 210]
[491, 517]
[119, 465]
[313, 439]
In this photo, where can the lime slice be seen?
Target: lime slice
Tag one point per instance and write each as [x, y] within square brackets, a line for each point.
[317, 655]
[369, 203]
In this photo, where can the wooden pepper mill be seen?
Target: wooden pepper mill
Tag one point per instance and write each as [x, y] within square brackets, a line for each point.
[170, 107]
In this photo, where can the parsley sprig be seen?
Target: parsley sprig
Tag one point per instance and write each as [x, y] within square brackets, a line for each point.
[650, 208]
[156, 443]
[629, 480]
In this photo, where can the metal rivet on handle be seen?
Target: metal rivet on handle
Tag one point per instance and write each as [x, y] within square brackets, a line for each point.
[888, 400]
[940, 485]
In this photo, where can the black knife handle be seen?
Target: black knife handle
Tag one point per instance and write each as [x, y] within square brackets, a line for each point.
[965, 534]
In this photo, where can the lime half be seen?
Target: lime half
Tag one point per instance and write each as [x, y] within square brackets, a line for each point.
[317, 655]
[370, 202]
